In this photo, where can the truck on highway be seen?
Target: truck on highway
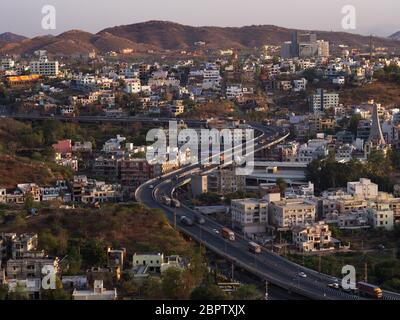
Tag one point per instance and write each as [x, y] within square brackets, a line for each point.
[369, 290]
[228, 234]
[166, 200]
[254, 248]
[187, 221]
[199, 219]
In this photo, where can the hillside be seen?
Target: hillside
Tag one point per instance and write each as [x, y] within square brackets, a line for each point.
[16, 136]
[163, 35]
[133, 227]
[15, 170]
[9, 37]
[72, 42]
[169, 35]
[395, 36]
[385, 93]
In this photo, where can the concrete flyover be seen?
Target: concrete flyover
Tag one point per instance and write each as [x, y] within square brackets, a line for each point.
[268, 265]
[102, 119]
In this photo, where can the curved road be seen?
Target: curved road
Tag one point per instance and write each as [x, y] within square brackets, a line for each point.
[268, 265]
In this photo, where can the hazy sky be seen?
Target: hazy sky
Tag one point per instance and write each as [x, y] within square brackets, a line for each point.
[24, 16]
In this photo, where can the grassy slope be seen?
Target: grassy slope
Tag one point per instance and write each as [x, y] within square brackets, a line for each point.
[133, 227]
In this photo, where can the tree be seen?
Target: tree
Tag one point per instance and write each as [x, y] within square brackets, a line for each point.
[29, 202]
[209, 198]
[394, 156]
[127, 288]
[281, 183]
[3, 291]
[152, 289]
[310, 74]
[198, 267]
[94, 253]
[19, 293]
[247, 292]
[172, 283]
[74, 260]
[48, 242]
[378, 163]
[208, 291]
[353, 125]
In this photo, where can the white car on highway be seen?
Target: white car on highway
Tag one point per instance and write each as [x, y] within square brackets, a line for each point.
[302, 274]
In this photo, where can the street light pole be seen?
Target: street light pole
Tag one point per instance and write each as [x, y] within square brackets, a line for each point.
[175, 219]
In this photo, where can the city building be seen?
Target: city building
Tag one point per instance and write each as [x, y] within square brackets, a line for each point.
[381, 216]
[45, 67]
[98, 293]
[323, 48]
[28, 268]
[315, 237]
[156, 262]
[199, 184]
[288, 213]
[133, 86]
[323, 100]
[250, 215]
[363, 189]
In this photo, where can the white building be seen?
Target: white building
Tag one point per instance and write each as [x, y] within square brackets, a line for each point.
[340, 81]
[300, 85]
[156, 262]
[152, 260]
[381, 216]
[7, 64]
[310, 151]
[133, 86]
[323, 48]
[322, 100]
[344, 153]
[312, 237]
[363, 189]
[44, 67]
[234, 91]
[98, 293]
[211, 79]
[289, 213]
[176, 108]
[113, 144]
[250, 215]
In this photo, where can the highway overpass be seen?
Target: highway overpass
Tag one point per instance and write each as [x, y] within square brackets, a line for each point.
[268, 265]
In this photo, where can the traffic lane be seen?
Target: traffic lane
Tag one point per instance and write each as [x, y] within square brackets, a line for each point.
[239, 252]
[276, 273]
[270, 260]
[266, 257]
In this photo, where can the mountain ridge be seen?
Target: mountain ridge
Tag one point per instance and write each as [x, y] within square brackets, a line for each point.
[395, 36]
[166, 35]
